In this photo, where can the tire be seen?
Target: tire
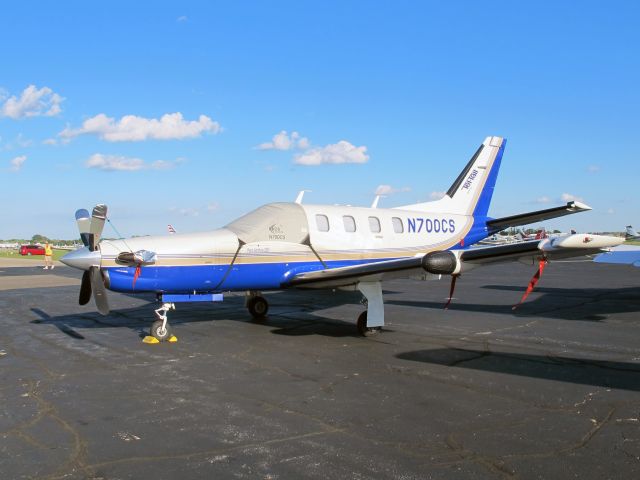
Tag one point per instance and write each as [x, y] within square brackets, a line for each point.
[258, 307]
[156, 331]
[362, 326]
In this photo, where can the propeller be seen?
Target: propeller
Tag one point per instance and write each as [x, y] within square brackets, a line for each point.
[88, 258]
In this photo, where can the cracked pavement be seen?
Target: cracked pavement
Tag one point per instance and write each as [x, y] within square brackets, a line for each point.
[551, 390]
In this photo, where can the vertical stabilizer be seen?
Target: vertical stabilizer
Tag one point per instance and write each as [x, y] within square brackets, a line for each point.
[471, 192]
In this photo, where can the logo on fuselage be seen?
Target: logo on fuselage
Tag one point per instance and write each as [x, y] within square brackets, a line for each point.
[276, 232]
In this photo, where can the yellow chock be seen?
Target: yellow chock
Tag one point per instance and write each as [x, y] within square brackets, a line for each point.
[150, 339]
[173, 339]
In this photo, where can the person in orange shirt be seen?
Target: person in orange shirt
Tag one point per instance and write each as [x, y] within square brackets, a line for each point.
[48, 252]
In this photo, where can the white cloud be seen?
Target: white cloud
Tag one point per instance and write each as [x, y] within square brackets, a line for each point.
[50, 141]
[389, 190]
[20, 142]
[16, 163]
[337, 153]
[33, 102]
[284, 141]
[185, 212]
[213, 207]
[593, 168]
[437, 195]
[132, 128]
[543, 199]
[568, 197]
[182, 18]
[611, 211]
[122, 163]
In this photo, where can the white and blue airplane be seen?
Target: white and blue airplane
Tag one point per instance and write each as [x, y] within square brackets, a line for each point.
[294, 245]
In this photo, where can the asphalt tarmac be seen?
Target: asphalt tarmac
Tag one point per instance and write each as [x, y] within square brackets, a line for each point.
[551, 390]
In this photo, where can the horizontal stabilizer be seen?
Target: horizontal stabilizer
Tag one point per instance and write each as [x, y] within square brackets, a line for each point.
[498, 224]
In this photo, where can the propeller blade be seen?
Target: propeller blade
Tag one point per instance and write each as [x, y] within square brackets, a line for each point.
[85, 288]
[98, 217]
[83, 220]
[99, 291]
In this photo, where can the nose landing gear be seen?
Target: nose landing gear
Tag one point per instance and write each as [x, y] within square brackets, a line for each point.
[160, 329]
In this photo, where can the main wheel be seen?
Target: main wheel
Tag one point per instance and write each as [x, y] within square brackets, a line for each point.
[362, 326]
[258, 307]
[160, 333]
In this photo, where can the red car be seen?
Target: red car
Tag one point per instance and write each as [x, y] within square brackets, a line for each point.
[31, 250]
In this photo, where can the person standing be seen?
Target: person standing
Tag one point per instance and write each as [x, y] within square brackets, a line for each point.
[48, 252]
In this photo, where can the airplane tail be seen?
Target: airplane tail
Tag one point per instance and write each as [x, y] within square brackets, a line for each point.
[471, 192]
[540, 234]
[631, 233]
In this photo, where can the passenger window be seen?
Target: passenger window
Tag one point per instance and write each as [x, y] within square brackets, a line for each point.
[374, 224]
[349, 223]
[322, 222]
[397, 225]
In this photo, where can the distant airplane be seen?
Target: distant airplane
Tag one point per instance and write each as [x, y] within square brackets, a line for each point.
[294, 245]
[170, 229]
[540, 234]
[631, 234]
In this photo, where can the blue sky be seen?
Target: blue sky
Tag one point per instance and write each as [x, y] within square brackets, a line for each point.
[185, 112]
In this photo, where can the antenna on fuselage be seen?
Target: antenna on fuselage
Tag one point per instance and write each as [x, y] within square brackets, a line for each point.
[300, 195]
[376, 200]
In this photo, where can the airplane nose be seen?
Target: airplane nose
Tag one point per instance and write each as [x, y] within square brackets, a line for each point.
[82, 259]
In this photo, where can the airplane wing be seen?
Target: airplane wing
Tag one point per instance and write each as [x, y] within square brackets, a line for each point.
[622, 255]
[498, 224]
[455, 261]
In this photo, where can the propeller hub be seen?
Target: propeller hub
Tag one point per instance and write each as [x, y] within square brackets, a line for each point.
[82, 259]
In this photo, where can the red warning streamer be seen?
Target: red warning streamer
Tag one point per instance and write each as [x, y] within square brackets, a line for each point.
[451, 289]
[136, 275]
[532, 282]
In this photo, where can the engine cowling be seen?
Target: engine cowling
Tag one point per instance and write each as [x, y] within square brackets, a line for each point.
[441, 263]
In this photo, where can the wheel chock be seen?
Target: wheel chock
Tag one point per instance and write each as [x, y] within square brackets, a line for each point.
[173, 339]
[150, 339]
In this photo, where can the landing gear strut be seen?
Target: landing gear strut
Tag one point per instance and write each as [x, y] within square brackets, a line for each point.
[257, 306]
[160, 328]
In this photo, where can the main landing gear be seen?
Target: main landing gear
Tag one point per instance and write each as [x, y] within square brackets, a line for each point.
[257, 306]
[362, 326]
[371, 321]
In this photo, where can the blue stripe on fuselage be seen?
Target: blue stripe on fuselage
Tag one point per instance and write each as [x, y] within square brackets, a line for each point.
[209, 278]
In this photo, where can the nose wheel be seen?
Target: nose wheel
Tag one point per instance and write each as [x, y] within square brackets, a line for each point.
[160, 329]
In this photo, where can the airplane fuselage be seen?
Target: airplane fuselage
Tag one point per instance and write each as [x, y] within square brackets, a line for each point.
[277, 241]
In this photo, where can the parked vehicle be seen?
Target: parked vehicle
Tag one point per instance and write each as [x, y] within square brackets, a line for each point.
[31, 250]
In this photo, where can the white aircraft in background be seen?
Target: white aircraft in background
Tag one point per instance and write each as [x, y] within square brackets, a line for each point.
[631, 234]
[291, 245]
